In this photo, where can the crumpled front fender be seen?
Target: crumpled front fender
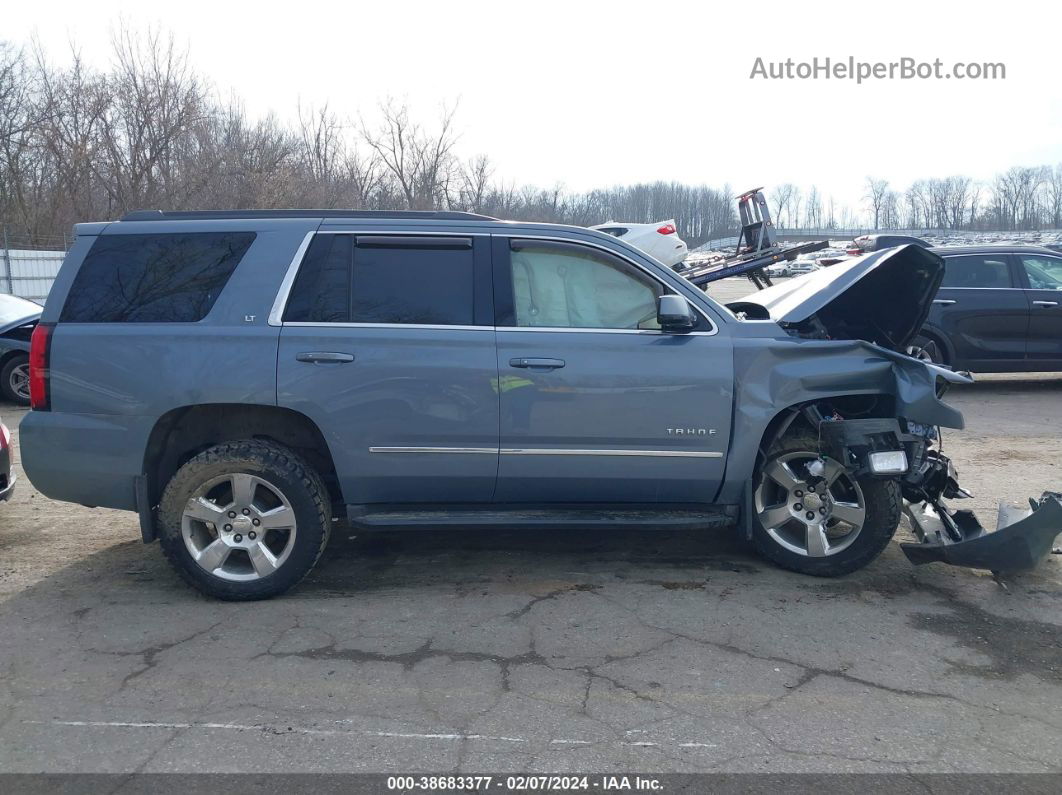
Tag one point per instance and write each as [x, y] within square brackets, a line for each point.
[917, 395]
[773, 373]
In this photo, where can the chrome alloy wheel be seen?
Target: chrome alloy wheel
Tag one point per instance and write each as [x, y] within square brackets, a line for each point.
[239, 527]
[809, 505]
[19, 381]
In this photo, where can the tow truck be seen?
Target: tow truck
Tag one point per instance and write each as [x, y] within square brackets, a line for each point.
[757, 247]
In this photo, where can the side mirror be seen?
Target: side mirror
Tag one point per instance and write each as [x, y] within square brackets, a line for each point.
[673, 313]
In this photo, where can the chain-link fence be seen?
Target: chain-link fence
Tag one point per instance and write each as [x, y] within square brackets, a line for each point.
[28, 267]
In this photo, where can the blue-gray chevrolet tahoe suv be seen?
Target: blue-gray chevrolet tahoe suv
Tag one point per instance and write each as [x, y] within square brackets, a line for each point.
[244, 379]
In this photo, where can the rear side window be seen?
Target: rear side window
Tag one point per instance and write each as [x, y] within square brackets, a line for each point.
[165, 278]
[385, 279]
[976, 270]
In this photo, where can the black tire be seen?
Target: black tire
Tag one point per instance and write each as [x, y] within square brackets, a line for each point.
[300, 484]
[927, 349]
[883, 504]
[8, 392]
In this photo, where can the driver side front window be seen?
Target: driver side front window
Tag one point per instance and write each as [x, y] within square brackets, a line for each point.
[562, 286]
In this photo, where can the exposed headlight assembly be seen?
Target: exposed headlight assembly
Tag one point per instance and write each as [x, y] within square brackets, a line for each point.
[891, 462]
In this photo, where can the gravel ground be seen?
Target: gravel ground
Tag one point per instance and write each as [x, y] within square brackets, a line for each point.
[546, 652]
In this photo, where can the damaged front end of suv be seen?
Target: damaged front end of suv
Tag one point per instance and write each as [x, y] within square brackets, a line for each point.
[844, 376]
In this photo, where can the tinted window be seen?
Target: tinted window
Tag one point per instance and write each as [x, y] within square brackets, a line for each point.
[410, 280]
[321, 293]
[565, 287]
[976, 270]
[154, 278]
[1044, 273]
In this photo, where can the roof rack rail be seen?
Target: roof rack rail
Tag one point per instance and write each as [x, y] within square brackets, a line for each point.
[204, 215]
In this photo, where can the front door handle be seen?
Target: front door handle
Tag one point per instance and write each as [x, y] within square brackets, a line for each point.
[1045, 303]
[545, 364]
[943, 301]
[324, 357]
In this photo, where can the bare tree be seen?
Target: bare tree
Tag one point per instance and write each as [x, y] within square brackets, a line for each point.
[960, 192]
[783, 196]
[475, 183]
[877, 191]
[915, 203]
[1016, 196]
[1053, 180]
[153, 98]
[813, 211]
[421, 161]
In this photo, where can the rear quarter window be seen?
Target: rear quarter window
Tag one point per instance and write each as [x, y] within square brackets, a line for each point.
[154, 278]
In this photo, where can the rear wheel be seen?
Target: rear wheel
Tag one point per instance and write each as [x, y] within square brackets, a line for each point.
[14, 379]
[244, 520]
[814, 517]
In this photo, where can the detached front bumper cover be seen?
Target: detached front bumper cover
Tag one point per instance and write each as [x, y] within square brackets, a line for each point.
[1023, 536]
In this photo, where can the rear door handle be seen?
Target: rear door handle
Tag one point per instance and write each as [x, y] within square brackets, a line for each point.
[1045, 303]
[943, 301]
[546, 364]
[324, 357]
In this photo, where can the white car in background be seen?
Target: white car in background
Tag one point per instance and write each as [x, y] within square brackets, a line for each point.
[659, 240]
[800, 266]
[794, 268]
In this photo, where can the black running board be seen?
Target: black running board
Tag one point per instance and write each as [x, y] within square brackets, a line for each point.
[372, 517]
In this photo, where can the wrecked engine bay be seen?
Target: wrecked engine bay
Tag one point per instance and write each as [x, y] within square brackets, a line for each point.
[844, 370]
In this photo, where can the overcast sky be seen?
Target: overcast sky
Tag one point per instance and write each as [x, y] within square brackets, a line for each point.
[593, 94]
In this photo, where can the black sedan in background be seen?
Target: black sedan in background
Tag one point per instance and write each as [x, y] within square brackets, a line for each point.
[998, 310]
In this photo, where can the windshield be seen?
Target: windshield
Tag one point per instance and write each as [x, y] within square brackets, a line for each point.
[13, 309]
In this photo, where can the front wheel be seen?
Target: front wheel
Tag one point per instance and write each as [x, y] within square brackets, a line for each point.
[814, 517]
[244, 520]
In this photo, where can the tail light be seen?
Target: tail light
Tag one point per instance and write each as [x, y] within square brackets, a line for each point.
[854, 252]
[40, 377]
[5, 437]
[667, 229]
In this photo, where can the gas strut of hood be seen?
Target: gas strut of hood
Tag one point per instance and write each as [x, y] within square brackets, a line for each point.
[756, 249]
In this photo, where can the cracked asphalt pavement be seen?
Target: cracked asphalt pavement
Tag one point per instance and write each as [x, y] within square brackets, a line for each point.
[593, 652]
